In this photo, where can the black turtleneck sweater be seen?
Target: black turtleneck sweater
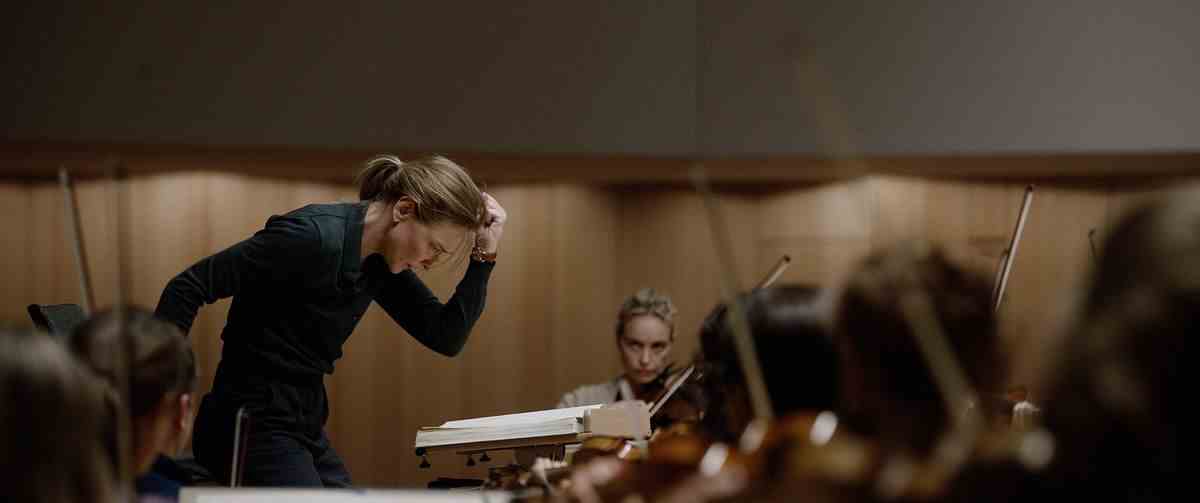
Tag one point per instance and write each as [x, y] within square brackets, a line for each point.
[299, 288]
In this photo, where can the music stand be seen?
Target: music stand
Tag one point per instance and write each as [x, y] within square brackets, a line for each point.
[57, 319]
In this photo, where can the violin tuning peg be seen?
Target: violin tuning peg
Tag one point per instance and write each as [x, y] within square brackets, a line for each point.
[485, 458]
[424, 462]
[470, 460]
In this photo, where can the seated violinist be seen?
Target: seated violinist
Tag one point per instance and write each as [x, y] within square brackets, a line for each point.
[789, 328]
[645, 333]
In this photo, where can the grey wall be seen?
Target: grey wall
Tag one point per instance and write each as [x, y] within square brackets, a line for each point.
[950, 76]
[539, 75]
[671, 77]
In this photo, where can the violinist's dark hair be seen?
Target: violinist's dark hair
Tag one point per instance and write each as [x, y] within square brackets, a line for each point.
[789, 326]
[887, 381]
[53, 425]
[1114, 400]
[160, 357]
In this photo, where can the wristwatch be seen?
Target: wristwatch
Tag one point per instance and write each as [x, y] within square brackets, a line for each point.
[479, 255]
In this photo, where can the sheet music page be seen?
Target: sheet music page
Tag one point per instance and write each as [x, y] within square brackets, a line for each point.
[539, 416]
[429, 437]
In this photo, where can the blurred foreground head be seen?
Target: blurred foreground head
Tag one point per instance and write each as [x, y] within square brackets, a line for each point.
[889, 388]
[53, 418]
[1113, 399]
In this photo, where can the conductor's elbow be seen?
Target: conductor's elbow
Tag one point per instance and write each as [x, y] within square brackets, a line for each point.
[451, 350]
[443, 338]
[452, 346]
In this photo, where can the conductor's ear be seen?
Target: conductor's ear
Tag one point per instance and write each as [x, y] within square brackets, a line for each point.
[403, 209]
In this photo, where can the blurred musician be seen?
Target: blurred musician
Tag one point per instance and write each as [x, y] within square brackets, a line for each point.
[645, 333]
[1111, 424]
[890, 392]
[162, 375]
[53, 420]
[1115, 399]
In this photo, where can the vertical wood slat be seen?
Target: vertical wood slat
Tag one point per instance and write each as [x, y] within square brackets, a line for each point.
[16, 256]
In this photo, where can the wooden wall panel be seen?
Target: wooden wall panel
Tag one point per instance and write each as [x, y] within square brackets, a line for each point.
[168, 231]
[585, 295]
[972, 222]
[99, 206]
[16, 216]
[1052, 260]
[826, 229]
[991, 213]
[515, 348]
[55, 274]
[40, 251]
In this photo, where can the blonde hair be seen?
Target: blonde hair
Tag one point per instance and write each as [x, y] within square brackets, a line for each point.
[52, 425]
[441, 190]
[646, 301]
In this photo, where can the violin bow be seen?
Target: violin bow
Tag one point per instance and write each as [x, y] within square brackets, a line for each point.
[682, 378]
[760, 401]
[1011, 252]
[87, 300]
[775, 272]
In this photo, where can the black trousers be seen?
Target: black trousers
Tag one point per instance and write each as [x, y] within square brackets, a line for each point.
[287, 445]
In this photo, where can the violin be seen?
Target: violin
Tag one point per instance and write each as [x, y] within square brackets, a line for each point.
[667, 414]
[803, 446]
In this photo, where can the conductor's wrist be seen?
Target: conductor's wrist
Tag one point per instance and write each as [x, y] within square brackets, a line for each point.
[484, 254]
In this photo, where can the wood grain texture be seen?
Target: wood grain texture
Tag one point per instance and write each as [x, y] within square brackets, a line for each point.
[16, 215]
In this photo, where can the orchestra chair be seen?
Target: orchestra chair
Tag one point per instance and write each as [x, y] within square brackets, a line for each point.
[57, 319]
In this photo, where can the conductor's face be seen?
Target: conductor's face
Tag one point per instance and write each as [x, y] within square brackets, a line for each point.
[644, 347]
[411, 244]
